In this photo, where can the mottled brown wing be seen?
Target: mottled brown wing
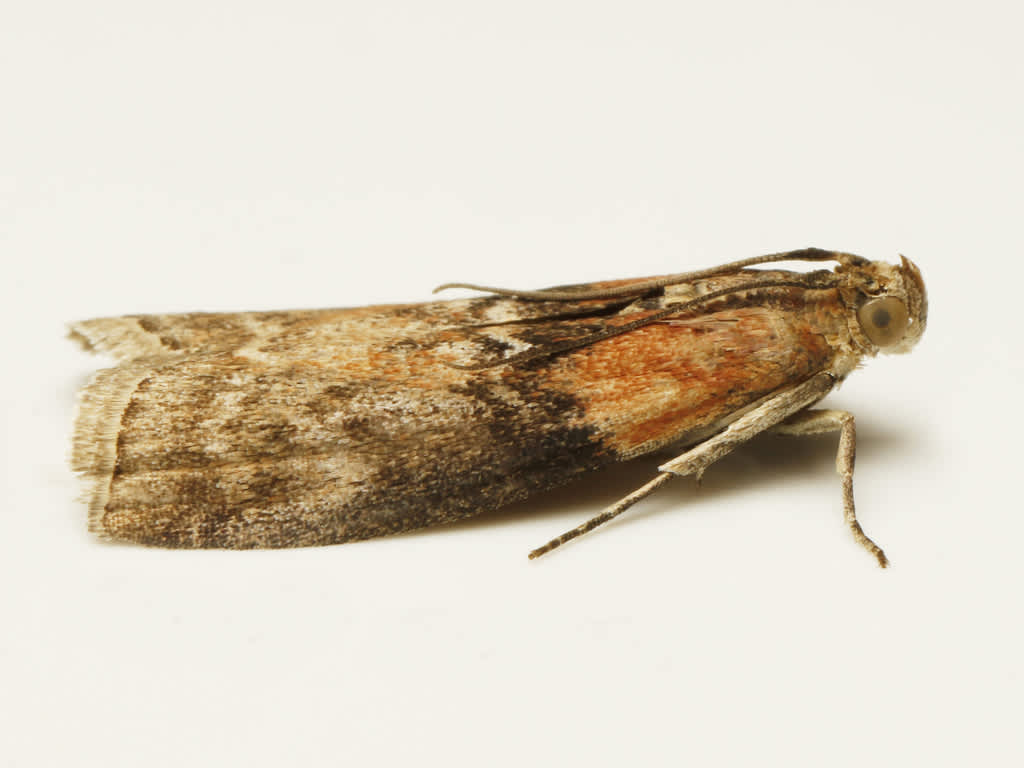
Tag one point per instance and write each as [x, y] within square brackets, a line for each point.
[133, 337]
[310, 427]
[316, 427]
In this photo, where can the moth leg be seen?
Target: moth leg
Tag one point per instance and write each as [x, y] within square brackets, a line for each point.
[698, 458]
[609, 513]
[822, 421]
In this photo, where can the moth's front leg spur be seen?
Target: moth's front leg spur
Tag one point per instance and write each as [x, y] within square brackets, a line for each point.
[822, 421]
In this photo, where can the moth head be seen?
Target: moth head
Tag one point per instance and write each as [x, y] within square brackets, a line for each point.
[891, 305]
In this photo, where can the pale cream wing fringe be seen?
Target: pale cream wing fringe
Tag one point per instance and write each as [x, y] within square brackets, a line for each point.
[120, 337]
[102, 402]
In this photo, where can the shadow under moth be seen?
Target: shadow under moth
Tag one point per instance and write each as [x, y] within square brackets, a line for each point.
[311, 427]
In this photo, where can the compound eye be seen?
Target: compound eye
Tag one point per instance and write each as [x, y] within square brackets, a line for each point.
[883, 320]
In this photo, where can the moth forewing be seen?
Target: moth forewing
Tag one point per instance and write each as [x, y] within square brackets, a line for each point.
[295, 428]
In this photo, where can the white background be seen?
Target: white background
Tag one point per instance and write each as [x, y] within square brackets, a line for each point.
[252, 155]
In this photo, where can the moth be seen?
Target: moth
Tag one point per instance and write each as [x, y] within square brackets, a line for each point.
[311, 427]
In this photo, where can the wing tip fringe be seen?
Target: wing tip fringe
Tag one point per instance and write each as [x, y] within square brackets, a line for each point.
[101, 404]
[123, 338]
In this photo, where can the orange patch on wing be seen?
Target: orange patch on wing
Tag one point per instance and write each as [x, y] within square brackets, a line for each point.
[650, 387]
